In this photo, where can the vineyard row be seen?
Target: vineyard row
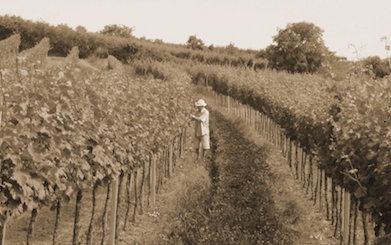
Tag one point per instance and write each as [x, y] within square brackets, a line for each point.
[65, 130]
[348, 134]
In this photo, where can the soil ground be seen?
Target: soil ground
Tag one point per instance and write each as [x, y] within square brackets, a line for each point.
[154, 227]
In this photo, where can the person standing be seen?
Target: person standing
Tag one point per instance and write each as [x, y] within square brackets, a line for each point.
[201, 119]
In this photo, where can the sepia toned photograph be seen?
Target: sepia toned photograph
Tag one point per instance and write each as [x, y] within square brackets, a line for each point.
[186, 122]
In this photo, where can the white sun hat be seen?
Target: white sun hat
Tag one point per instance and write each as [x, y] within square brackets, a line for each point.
[200, 102]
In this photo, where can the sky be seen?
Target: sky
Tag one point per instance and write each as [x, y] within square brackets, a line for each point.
[352, 28]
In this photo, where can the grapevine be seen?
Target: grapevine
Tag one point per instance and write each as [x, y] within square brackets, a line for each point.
[67, 129]
[345, 124]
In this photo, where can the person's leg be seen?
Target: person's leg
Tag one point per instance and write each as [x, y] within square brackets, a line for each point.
[205, 145]
[197, 146]
[204, 153]
[197, 151]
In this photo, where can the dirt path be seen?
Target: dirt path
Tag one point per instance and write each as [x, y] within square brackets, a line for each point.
[294, 207]
[239, 208]
[154, 226]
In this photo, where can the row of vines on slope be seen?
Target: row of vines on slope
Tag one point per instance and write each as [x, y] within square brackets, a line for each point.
[65, 129]
[9, 49]
[347, 125]
[63, 38]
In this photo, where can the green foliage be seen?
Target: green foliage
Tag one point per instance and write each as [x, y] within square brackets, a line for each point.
[345, 124]
[232, 49]
[153, 69]
[36, 56]
[9, 49]
[63, 39]
[117, 31]
[81, 29]
[113, 63]
[65, 129]
[297, 48]
[386, 240]
[335, 67]
[73, 55]
[361, 148]
[379, 68]
[195, 43]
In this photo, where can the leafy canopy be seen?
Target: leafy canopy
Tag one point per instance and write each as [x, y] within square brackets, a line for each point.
[297, 48]
[195, 43]
[377, 67]
[117, 31]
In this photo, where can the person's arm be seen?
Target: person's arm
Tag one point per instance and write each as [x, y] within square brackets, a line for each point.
[201, 118]
[193, 117]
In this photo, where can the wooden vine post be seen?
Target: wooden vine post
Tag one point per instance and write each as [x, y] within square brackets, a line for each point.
[142, 190]
[2, 230]
[135, 196]
[252, 117]
[56, 222]
[121, 178]
[259, 123]
[91, 225]
[320, 188]
[265, 127]
[181, 143]
[3, 220]
[104, 216]
[129, 184]
[1, 98]
[113, 211]
[346, 216]
[340, 213]
[270, 128]
[30, 229]
[290, 155]
[184, 139]
[297, 166]
[315, 192]
[170, 159]
[228, 104]
[248, 115]
[76, 222]
[336, 219]
[327, 192]
[153, 180]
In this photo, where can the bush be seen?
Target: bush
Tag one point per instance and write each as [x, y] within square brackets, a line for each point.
[117, 31]
[195, 43]
[379, 68]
